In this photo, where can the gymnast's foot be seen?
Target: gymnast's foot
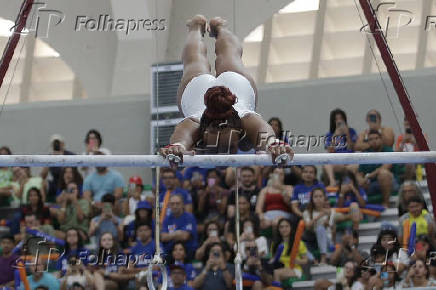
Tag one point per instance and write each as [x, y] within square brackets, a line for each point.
[215, 24]
[198, 22]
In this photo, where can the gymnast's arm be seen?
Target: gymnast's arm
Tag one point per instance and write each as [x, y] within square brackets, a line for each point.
[187, 133]
[259, 132]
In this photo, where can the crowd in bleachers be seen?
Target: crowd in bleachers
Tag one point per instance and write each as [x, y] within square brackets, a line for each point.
[92, 228]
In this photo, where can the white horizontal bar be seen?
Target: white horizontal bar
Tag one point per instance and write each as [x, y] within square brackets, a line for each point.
[214, 160]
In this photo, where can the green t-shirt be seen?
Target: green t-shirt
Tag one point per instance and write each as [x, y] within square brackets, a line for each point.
[396, 169]
[71, 220]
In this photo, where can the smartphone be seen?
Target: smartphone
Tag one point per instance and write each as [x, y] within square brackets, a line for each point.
[107, 209]
[56, 145]
[384, 275]
[216, 254]
[213, 233]
[248, 229]
[372, 118]
[211, 181]
[253, 252]
[409, 130]
[340, 124]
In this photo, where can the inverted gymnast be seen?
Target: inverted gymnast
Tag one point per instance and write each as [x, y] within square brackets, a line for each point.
[219, 111]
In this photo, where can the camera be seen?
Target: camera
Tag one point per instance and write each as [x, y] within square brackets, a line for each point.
[372, 118]
[56, 145]
[253, 252]
[216, 254]
[409, 130]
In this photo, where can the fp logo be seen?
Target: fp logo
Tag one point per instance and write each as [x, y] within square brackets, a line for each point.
[392, 15]
[41, 20]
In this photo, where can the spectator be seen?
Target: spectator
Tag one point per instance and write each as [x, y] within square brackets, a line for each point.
[217, 273]
[41, 277]
[143, 214]
[408, 189]
[373, 118]
[432, 267]
[36, 206]
[75, 211]
[7, 188]
[179, 257]
[244, 215]
[250, 233]
[107, 221]
[348, 250]
[27, 182]
[145, 246]
[284, 238]
[73, 248]
[425, 224]
[57, 144]
[76, 276]
[134, 195]
[170, 182]
[7, 260]
[101, 182]
[301, 196]
[406, 143]
[179, 226]
[277, 126]
[195, 185]
[273, 201]
[210, 236]
[68, 175]
[255, 268]
[345, 280]
[178, 277]
[350, 195]
[387, 279]
[247, 187]
[417, 276]
[377, 177]
[316, 220]
[93, 142]
[212, 201]
[339, 139]
[423, 248]
[107, 273]
[388, 239]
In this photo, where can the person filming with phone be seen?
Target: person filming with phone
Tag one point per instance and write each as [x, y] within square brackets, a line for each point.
[254, 268]
[373, 118]
[217, 273]
[57, 146]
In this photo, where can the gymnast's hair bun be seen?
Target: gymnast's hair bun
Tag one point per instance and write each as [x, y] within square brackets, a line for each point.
[219, 102]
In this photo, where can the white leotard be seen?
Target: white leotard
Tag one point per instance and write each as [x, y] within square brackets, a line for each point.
[193, 96]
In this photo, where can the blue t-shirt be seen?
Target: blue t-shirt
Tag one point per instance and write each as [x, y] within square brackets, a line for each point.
[99, 185]
[302, 193]
[340, 142]
[190, 170]
[185, 222]
[349, 197]
[187, 198]
[144, 253]
[47, 280]
[184, 287]
[81, 254]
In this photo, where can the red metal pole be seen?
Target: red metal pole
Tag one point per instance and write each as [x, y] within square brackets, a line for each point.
[8, 53]
[403, 96]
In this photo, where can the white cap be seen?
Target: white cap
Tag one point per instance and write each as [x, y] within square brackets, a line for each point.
[56, 137]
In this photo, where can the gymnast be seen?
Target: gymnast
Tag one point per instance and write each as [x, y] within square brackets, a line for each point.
[219, 111]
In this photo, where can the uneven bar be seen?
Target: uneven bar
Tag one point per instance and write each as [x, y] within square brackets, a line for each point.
[210, 161]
